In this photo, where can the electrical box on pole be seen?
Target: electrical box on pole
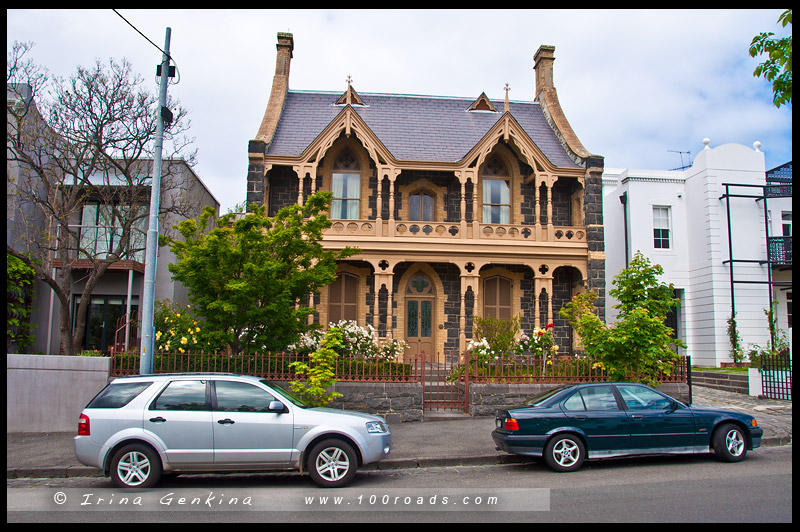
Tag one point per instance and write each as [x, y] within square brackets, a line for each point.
[151, 253]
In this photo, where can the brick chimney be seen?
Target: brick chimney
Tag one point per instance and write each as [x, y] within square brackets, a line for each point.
[543, 64]
[280, 86]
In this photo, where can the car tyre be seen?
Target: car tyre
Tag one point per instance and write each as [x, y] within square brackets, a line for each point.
[136, 466]
[730, 443]
[332, 463]
[565, 453]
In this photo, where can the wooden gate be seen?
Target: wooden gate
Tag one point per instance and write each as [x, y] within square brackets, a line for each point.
[444, 386]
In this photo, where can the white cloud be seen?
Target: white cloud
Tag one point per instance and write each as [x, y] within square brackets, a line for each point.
[633, 84]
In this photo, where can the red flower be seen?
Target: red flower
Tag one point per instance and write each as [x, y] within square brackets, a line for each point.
[549, 326]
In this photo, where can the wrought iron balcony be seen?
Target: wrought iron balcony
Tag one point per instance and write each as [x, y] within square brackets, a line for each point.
[780, 250]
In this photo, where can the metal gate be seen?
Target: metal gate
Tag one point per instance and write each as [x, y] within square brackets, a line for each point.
[443, 384]
[776, 376]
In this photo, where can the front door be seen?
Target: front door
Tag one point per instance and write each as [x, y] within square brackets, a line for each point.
[655, 422]
[420, 321]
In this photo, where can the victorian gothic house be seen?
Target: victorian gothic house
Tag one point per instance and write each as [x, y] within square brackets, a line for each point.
[460, 207]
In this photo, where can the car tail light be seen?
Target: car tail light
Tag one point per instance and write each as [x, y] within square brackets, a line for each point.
[511, 424]
[83, 425]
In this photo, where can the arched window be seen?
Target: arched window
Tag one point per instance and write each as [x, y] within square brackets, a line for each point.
[346, 187]
[496, 192]
[497, 298]
[343, 298]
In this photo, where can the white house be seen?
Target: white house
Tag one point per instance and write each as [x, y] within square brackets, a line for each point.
[692, 222]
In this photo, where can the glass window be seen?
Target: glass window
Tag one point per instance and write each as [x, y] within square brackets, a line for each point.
[661, 229]
[786, 223]
[241, 397]
[420, 208]
[346, 196]
[182, 395]
[574, 403]
[641, 398]
[599, 398]
[496, 202]
[118, 395]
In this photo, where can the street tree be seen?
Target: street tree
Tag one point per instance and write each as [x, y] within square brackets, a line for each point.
[639, 345]
[250, 277]
[79, 162]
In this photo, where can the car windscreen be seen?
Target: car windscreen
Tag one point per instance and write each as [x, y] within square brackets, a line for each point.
[286, 394]
[117, 395]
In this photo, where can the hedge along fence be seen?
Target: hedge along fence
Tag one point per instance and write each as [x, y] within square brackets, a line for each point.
[271, 366]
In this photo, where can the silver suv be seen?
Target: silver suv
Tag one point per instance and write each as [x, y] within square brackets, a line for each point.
[138, 427]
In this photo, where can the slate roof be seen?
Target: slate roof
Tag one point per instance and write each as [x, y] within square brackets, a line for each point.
[413, 128]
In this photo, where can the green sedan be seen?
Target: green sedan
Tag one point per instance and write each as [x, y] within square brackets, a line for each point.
[570, 424]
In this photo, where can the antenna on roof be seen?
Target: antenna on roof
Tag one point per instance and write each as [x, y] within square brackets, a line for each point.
[682, 166]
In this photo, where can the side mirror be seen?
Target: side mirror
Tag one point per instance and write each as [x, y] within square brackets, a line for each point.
[278, 408]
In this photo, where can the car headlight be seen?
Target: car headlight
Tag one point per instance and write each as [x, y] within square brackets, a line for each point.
[376, 427]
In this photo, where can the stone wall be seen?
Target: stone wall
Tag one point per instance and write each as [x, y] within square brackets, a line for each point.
[48, 392]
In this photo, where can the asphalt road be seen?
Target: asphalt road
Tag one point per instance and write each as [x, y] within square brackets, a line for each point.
[652, 489]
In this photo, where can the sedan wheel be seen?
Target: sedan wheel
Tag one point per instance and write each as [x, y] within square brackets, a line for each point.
[135, 466]
[729, 443]
[564, 453]
[332, 463]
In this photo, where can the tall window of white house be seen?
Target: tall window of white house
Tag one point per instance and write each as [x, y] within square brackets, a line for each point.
[661, 228]
[346, 188]
[496, 193]
[786, 223]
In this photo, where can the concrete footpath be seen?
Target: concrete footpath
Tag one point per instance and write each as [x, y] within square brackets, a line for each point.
[438, 441]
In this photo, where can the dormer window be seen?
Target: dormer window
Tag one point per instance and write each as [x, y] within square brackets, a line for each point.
[496, 192]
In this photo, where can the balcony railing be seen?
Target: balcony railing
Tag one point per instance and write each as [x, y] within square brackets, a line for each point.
[780, 250]
[456, 231]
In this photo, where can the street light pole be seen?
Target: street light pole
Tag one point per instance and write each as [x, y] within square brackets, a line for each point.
[151, 253]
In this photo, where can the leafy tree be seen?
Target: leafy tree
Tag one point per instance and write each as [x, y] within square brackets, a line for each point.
[250, 276]
[320, 370]
[80, 143]
[778, 67]
[19, 279]
[638, 346]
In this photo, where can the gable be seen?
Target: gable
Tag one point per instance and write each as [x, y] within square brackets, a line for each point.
[412, 128]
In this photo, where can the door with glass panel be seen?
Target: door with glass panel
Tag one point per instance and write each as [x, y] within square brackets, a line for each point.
[420, 317]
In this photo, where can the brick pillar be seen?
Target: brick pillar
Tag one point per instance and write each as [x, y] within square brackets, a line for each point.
[593, 215]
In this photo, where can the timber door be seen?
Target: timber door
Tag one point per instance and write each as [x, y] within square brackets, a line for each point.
[420, 317]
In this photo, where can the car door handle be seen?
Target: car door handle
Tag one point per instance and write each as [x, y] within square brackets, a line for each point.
[580, 417]
[158, 419]
[636, 416]
[226, 421]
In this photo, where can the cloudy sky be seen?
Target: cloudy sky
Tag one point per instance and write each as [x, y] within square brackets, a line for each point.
[636, 86]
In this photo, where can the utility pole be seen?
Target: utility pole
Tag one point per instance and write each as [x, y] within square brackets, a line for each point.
[151, 252]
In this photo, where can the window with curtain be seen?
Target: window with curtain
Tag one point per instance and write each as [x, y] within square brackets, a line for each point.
[496, 192]
[346, 187]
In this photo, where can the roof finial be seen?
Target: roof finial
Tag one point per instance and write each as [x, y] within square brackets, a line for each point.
[505, 107]
[349, 79]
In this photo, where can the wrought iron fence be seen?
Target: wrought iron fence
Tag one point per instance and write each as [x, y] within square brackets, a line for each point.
[273, 366]
[278, 366]
[776, 376]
